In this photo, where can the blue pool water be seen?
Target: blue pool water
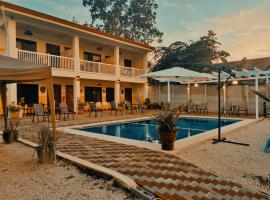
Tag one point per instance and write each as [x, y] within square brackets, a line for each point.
[146, 130]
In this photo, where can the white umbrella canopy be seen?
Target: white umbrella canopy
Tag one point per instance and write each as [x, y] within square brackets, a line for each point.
[178, 74]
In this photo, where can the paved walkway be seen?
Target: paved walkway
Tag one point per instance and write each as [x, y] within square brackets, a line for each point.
[165, 175]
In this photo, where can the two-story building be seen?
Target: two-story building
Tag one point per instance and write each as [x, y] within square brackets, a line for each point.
[87, 64]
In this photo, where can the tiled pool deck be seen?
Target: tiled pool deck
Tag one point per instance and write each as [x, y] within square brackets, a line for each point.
[165, 175]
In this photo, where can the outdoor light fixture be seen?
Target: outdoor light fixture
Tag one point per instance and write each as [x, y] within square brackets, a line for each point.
[196, 85]
[235, 82]
[27, 32]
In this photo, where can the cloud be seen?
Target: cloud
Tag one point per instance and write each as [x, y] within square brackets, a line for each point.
[245, 33]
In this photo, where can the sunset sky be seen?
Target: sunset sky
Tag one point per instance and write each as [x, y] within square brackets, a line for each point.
[243, 26]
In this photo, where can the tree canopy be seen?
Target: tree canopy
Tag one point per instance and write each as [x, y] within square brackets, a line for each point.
[204, 51]
[132, 19]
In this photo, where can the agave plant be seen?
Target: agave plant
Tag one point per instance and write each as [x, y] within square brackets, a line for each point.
[46, 148]
[167, 119]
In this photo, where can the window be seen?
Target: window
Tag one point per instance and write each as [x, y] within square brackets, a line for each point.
[109, 94]
[26, 45]
[53, 49]
[92, 57]
[127, 63]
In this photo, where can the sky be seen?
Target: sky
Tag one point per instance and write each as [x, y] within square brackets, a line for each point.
[242, 26]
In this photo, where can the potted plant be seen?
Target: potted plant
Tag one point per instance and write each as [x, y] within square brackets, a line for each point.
[46, 145]
[13, 124]
[13, 110]
[147, 103]
[167, 126]
[7, 136]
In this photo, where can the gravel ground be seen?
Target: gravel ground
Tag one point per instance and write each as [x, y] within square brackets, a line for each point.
[21, 177]
[248, 166]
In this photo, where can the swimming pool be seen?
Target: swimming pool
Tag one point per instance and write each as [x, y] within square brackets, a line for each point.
[146, 130]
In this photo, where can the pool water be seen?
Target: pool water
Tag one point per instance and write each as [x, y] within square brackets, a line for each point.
[146, 130]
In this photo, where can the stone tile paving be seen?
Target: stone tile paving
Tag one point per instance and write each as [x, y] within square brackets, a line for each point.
[166, 176]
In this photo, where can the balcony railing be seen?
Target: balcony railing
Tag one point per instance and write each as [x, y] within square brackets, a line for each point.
[131, 72]
[97, 67]
[56, 62]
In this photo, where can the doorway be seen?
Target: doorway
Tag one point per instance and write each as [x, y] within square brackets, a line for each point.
[57, 94]
[29, 92]
[69, 96]
[128, 94]
[93, 94]
[109, 94]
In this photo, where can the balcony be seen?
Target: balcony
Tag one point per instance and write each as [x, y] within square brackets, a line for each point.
[97, 67]
[65, 66]
[56, 62]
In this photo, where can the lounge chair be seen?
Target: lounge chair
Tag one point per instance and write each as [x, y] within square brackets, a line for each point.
[94, 108]
[63, 110]
[39, 111]
[115, 108]
[140, 108]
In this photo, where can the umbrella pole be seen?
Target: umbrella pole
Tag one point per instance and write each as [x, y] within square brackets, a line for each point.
[4, 104]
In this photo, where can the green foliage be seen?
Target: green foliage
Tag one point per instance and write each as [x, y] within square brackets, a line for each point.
[132, 19]
[167, 119]
[204, 51]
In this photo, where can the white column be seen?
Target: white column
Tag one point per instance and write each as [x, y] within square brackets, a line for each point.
[188, 92]
[76, 54]
[146, 90]
[224, 95]
[257, 98]
[205, 93]
[169, 91]
[76, 93]
[116, 61]
[12, 52]
[76, 81]
[117, 92]
[247, 91]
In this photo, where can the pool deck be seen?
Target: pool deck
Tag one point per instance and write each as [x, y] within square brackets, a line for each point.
[162, 174]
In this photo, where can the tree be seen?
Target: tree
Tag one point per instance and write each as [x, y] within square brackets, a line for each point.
[204, 51]
[132, 19]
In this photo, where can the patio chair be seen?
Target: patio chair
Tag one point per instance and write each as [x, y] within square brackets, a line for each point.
[94, 108]
[63, 110]
[130, 107]
[242, 109]
[115, 108]
[39, 111]
[202, 108]
[227, 110]
[140, 108]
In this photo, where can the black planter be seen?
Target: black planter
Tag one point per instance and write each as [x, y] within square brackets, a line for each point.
[7, 136]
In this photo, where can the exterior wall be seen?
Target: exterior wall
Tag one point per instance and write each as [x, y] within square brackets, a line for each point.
[236, 95]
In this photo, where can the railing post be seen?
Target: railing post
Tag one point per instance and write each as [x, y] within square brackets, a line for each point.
[49, 60]
[99, 68]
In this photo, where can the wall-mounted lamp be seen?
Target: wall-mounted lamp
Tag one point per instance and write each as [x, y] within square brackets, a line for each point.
[99, 49]
[27, 32]
[235, 82]
[196, 85]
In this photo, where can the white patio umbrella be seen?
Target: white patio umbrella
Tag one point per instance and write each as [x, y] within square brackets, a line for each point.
[177, 74]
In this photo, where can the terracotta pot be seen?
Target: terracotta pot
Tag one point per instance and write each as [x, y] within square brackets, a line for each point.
[7, 136]
[46, 155]
[167, 139]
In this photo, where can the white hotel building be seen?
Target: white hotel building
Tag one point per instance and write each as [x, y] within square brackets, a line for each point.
[87, 64]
